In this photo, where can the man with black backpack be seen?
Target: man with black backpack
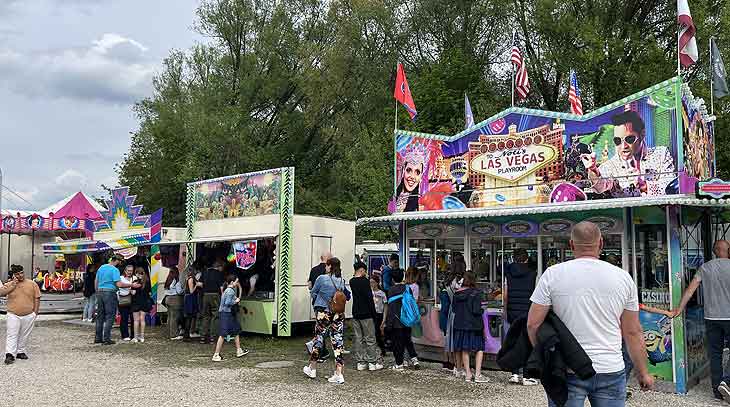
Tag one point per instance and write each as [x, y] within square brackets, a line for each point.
[398, 331]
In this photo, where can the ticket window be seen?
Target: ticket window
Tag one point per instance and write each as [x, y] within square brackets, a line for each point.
[420, 256]
[652, 264]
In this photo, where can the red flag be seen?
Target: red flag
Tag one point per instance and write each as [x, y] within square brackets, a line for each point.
[687, 43]
[402, 92]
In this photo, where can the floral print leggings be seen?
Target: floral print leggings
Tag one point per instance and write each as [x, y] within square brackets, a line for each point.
[331, 324]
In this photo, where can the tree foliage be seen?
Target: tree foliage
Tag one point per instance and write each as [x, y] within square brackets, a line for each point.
[308, 84]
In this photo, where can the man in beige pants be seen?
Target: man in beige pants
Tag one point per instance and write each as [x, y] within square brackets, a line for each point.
[24, 300]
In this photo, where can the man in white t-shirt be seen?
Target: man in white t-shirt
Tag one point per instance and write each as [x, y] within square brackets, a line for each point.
[598, 303]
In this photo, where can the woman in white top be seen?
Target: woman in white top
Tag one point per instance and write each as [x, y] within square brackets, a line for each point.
[125, 304]
[174, 302]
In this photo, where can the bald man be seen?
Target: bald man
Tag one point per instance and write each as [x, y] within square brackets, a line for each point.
[598, 303]
[715, 274]
[319, 269]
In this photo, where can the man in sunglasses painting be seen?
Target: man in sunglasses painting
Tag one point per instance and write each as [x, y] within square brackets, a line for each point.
[639, 170]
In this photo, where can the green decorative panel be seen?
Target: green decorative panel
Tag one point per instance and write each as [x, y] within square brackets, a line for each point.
[190, 223]
[285, 255]
[256, 316]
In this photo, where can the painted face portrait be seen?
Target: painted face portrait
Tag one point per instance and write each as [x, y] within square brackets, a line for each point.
[412, 176]
[588, 160]
[627, 141]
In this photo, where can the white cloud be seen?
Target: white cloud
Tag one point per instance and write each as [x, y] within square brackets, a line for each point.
[45, 194]
[112, 69]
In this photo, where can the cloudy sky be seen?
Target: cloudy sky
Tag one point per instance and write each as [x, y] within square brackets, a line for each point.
[69, 72]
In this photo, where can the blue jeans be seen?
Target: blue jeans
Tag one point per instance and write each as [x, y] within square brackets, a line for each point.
[717, 333]
[602, 390]
[106, 310]
[89, 306]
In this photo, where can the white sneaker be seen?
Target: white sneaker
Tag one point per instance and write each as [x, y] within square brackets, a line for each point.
[141, 339]
[514, 379]
[127, 339]
[530, 382]
[459, 373]
[217, 358]
[414, 363]
[724, 390]
[134, 340]
[397, 368]
[362, 366]
[177, 338]
[337, 379]
[375, 366]
[311, 373]
[195, 335]
[481, 379]
[241, 352]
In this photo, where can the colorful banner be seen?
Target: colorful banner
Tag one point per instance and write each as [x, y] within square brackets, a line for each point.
[523, 156]
[245, 253]
[27, 223]
[658, 340]
[698, 138]
[238, 196]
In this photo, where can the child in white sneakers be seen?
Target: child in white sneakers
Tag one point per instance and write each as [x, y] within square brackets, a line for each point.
[228, 320]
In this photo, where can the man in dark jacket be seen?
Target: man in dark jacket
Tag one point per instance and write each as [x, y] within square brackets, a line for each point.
[555, 351]
[598, 303]
[520, 281]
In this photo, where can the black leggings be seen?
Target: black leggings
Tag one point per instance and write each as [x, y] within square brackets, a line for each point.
[401, 342]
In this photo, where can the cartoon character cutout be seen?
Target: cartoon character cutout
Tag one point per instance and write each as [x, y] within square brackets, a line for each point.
[659, 342]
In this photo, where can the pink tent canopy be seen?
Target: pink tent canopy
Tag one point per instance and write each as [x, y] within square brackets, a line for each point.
[78, 207]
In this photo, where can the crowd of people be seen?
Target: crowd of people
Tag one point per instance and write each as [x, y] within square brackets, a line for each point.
[575, 330]
[200, 305]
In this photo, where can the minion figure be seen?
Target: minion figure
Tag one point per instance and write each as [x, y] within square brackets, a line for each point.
[659, 342]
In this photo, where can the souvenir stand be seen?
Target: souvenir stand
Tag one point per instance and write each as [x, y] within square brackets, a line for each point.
[121, 229]
[523, 178]
[249, 219]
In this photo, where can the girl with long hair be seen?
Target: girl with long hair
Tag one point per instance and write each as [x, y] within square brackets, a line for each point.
[141, 303]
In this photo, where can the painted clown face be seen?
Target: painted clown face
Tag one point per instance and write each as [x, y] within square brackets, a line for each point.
[412, 176]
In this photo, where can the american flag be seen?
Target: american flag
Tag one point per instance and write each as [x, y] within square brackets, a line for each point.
[522, 84]
[576, 106]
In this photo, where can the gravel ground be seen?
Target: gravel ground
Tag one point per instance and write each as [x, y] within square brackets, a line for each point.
[65, 369]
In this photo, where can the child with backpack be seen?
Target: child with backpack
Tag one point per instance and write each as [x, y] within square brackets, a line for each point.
[397, 323]
[330, 296]
[469, 326]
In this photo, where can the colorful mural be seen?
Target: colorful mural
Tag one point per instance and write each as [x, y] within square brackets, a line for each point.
[698, 138]
[523, 156]
[238, 196]
[244, 253]
[658, 340]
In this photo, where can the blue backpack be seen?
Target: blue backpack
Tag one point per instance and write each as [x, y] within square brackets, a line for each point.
[410, 315]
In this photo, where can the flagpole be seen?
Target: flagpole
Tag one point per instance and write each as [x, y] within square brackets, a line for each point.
[679, 51]
[712, 82]
[512, 66]
[396, 101]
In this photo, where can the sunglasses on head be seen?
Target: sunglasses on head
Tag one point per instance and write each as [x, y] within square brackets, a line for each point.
[629, 140]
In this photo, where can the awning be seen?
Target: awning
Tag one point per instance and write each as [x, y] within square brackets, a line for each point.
[89, 246]
[227, 238]
[472, 213]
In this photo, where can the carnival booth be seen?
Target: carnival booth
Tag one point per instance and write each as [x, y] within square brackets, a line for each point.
[72, 217]
[640, 168]
[249, 219]
[121, 229]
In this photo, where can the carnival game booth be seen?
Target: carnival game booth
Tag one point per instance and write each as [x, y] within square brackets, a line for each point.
[249, 219]
[121, 229]
[523, 178]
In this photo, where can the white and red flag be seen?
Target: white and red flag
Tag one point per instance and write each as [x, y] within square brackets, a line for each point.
[522, 83]
[576, 104]
[687, 42]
